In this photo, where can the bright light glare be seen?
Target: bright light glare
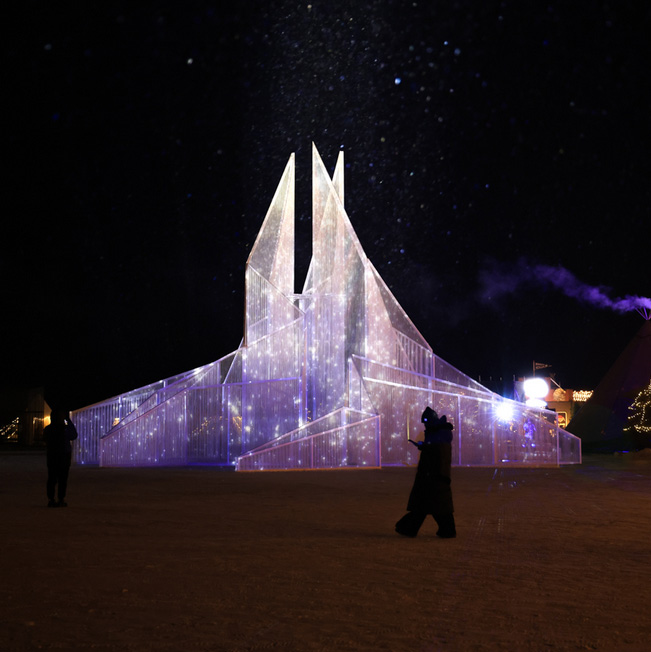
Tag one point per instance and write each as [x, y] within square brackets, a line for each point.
[536, 388]
[504, 412]
[537, 403]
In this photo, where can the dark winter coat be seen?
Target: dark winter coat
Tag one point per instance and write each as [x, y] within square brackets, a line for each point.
[57, 440]
[431, 492]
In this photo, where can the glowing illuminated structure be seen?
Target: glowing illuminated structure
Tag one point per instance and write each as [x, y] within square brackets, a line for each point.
[336, 376]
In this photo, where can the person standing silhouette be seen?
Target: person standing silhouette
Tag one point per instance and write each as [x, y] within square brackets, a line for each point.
[58, 436]
[431, 492]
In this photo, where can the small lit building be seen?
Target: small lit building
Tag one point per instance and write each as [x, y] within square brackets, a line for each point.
[566, 403]
[23, 415]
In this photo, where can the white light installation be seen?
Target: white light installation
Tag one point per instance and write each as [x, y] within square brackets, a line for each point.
[535, 390]
[336, 376]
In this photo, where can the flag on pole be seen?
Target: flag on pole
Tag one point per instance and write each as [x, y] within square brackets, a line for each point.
[539, 365]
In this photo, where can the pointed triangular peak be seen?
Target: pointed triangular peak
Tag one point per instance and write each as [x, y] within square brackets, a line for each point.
[604, 415]
[320, 190]
[272, 255]
[338, 177]
[327, 201]
[338, 257]
[399, 318]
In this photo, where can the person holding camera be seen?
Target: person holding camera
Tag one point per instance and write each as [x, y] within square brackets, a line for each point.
[432, 492]
[58, 436]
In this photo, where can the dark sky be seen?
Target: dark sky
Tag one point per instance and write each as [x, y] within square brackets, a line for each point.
[497, 170]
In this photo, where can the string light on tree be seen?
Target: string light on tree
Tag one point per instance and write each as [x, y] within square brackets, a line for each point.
[640, 419]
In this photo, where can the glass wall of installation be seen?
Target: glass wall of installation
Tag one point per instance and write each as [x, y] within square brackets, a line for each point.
[336, 376]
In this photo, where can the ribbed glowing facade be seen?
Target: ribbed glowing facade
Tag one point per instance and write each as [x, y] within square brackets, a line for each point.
[336, 376]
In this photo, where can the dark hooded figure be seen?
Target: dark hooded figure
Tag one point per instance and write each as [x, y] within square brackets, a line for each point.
[431, 493]
[58, 436]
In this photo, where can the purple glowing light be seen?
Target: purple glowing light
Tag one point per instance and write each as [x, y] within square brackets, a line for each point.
[336, 376]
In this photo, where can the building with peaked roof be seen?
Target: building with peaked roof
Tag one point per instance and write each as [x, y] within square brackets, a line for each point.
[23, 415]
[601, 420]
[336, 376]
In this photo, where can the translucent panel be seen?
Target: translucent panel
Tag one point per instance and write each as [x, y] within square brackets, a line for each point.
[94, 421]
[444, 371]
[232, 396]
[326, 360]
[157, 437]
[268, 309]
[234, 373]
[272, 255]
[345, 438]
[475, 433]
[569, 448]
[531, 438]
[270, 410]
[399, 319]
[206, 426]
[334, 377]
[277, 355]
[481, 436]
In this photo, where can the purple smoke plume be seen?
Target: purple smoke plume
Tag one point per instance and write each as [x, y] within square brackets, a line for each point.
[498, 280]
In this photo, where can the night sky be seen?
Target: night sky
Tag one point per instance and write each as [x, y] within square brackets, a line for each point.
[496, 172]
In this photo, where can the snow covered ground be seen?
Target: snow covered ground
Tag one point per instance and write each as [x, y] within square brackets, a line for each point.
[203, 559]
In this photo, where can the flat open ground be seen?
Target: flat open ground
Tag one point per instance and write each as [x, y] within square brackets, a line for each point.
[204, 559]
